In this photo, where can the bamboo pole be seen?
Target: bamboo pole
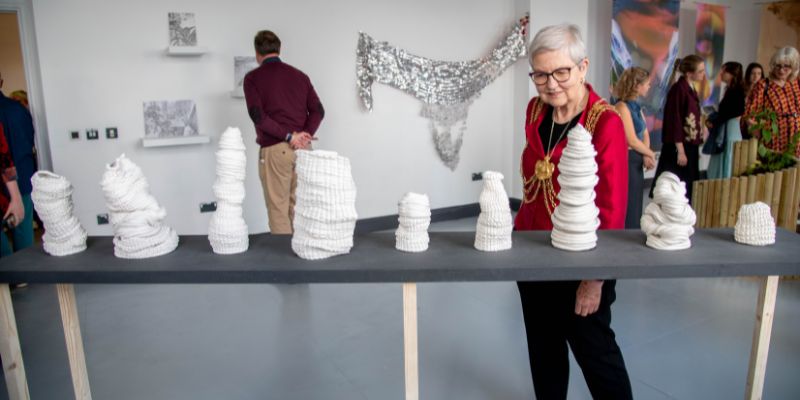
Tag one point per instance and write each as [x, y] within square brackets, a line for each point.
[796, 199]
[775, 201]
[737, 165]
[769, 183]
[725, 202]
[761, 185]
[700, 210]
[752, 154]
[785, 218]
[752, 182]
[715, 205]
[696, 193]
[733, 208]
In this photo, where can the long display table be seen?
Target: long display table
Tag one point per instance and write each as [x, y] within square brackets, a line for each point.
[451, 257]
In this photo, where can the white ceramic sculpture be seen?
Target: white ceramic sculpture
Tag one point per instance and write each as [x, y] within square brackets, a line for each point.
[755, 225]
[52, 198]
[134, 213]
[576, 218]
[414, 212]
[325, 213]
[227, 230]
[493, 231]
[668, 220]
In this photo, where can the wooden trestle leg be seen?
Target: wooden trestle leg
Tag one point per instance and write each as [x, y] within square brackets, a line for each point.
[10, 350]
[72, 334]
[765, 313]
[410, 340]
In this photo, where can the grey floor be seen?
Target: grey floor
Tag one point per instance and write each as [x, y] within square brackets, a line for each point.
[682, 339]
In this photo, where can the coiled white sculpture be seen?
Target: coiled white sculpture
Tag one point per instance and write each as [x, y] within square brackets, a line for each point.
[493, 230]
[325, 213]
[52, 198]
[134, 213]
[227, 230]
[668, 220]
[576, 218]
[414, 218]
[755, 225]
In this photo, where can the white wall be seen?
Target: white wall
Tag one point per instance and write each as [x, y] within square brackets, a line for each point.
[100, 60]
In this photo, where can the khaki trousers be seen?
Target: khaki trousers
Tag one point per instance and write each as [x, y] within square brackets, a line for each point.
[279, 181]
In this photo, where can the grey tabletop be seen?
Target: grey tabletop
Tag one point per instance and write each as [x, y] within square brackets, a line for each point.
[451, 257]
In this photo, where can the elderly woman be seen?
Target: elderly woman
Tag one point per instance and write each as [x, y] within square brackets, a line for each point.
[574, 313]
[781, 94]
[683, 131]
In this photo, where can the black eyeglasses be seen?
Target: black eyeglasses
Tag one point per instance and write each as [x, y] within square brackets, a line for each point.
[560, 75]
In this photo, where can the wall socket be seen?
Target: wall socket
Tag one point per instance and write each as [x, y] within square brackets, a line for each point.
[111, 133]
[75, 135]
[208, 207]
[477, 176]
[102, 219]
[92, 134]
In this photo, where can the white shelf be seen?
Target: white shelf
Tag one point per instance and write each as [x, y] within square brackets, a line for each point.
[175, 141]
[237, 93]
[186, 51]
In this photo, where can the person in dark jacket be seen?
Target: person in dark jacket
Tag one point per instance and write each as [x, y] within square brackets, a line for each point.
[683, 131]
[19, 134]
[286, 112]
[725, 124]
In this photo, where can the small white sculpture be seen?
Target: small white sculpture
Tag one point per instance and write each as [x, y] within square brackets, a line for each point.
[52, 198]
[576, 218]
[493, 231]
[325, 213]
[134, 213]
[755, 225]
[668, 220]
[227, 230]
[414, 212]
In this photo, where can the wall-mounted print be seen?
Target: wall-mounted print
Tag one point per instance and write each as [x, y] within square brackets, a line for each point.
[170, 119]
[182, 30]
[241, 66]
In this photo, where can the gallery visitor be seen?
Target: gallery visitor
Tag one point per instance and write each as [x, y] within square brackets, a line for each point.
[724, 127]
[11, 205]
[752, 75]
[570, 314]
[286, 112]
[633, 84]
[683, 131]
[780, 92]
[19, 134]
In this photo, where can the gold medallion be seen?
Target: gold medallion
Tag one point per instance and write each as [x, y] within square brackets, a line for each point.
[544, 169]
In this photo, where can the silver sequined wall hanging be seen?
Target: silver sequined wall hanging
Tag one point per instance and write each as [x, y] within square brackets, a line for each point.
[445, 88]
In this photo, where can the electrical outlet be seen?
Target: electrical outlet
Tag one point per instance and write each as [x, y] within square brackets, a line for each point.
[477, 176]
[208, 207]
[91, 134]
[102, 219]
[75, 135]
[111, 133]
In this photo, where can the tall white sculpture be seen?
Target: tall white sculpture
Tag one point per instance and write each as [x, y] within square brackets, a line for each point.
[755, 225]
[414, 218]
[325, 213]
[52, 198]
[134, 213]
[227, 230]
[668, 220]
[493, 231]
[576, 218]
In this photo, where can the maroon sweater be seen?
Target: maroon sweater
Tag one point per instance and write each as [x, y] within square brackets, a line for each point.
[281, 100]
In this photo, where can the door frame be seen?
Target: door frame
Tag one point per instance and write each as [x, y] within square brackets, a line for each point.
[33, 76]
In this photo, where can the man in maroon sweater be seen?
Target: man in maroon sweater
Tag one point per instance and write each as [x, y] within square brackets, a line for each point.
[286, 112]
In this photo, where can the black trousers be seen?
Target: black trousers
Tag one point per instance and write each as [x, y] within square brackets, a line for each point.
[668, 161]
[635, 190]
[551, 325]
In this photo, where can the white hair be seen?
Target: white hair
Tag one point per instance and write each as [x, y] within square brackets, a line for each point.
[558, 37]
[786, 55]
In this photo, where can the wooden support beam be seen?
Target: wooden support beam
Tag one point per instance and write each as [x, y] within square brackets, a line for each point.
[411, 354]
[765, 313]
[72, 334]
[10, 350]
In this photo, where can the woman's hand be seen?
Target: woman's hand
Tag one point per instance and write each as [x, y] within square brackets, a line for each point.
[682, 160]
[16, 211]
[649, 162]
[587, 299]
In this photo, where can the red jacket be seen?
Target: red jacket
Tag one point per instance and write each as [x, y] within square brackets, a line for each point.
[608, 137]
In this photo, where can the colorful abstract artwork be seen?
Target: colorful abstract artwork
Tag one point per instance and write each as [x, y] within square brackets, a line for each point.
[710, 44]
[644, 33]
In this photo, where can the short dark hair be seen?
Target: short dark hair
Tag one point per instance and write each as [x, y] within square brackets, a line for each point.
[267, 42]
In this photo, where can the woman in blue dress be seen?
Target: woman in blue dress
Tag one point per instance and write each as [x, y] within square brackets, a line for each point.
[633, 84]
